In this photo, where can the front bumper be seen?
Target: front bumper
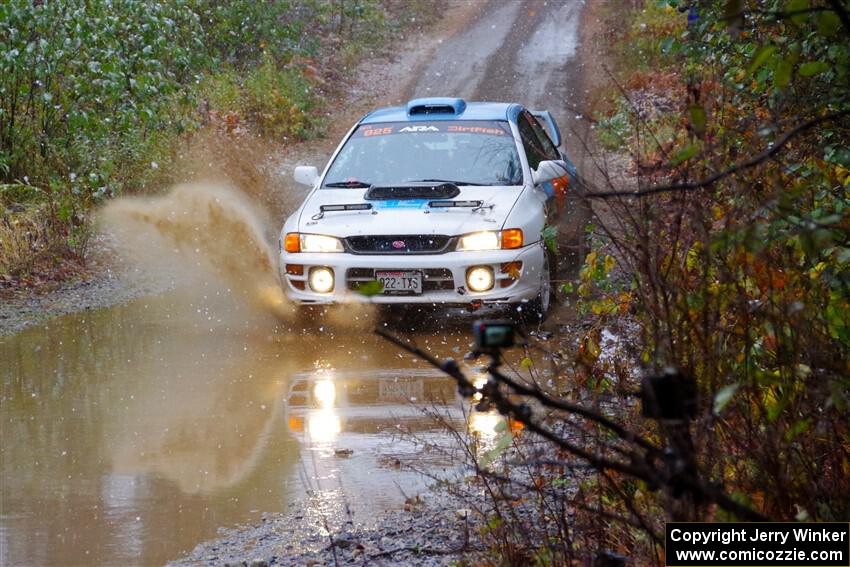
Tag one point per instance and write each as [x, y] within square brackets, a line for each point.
[444, 276]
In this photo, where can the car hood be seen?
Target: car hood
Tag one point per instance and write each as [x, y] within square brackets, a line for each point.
[407, 216]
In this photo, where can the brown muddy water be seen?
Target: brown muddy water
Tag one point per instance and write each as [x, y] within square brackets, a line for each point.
[132, 433]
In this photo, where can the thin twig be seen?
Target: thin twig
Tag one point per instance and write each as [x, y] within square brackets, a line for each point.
[638, 466]
[757, 159]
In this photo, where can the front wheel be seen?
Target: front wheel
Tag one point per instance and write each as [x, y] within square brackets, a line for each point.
[536, 310]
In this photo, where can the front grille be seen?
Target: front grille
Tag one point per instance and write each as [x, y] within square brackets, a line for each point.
[413, 191]
[403, 244]
[433, 279]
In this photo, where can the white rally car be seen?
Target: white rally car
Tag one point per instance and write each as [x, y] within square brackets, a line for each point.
[441, 201]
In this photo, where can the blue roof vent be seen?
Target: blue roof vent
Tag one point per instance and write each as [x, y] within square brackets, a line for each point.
[436, 105]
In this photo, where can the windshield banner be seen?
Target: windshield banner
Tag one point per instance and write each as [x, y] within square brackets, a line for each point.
[479, 127]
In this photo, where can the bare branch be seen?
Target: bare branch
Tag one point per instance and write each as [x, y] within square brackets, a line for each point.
[570, 407]
[641, 467]
[755, 160]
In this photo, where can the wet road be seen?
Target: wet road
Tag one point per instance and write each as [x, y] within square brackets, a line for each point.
[514, 52]
[130, 434]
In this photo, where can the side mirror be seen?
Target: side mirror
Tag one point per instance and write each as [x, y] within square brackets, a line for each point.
[548, 170]
[306, 175]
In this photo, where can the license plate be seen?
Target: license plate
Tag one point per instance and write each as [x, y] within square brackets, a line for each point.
[400, 283]
[401, 390]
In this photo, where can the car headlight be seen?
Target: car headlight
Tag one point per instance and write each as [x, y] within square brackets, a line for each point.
[491, 240]
[295, 242]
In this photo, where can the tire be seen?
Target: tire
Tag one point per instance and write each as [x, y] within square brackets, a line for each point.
[573, 240]
[535, 311]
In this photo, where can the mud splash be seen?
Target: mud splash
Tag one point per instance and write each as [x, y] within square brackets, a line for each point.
[203, 233]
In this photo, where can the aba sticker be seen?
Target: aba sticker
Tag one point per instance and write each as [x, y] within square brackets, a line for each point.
[420, 129]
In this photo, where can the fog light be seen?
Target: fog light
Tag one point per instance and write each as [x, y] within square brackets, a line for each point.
[321, 280]
[479, 278]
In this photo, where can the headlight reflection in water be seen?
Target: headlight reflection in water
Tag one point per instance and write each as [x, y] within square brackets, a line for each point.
[324, 425]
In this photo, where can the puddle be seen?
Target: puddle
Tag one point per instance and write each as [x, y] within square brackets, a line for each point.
[131, 434]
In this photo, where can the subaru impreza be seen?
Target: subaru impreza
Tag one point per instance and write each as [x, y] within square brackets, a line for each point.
[439, 202]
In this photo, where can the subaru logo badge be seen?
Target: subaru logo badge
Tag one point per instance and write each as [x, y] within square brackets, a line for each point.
[399, 244]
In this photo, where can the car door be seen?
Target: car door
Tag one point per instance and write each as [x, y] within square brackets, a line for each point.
[538, 147]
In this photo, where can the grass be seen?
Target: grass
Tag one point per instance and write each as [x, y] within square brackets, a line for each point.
[29, 243]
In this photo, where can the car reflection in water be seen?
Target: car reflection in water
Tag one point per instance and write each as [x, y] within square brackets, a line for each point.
[331, 408]
[371, 433]
[362, 435]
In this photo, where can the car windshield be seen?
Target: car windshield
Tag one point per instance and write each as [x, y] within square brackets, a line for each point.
[464, 152]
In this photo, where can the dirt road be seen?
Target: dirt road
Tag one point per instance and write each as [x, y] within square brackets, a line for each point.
[524, 52]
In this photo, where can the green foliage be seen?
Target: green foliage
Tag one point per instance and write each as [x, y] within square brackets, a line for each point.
[81, 84]
[650, 45]
[745, 283]
[549, 235]
[614, 130]
[240, 32]
[369, 289]
[684, 154]
[95, 96]
[498, 449]
[279, 102]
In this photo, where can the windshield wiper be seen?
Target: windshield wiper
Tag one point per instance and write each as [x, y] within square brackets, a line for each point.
[448, 181]
[353, 184]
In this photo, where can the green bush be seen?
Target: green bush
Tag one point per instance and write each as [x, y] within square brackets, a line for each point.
[95, 96]
[82, 81]
[615, 130]
[279, 101]
[240, 32]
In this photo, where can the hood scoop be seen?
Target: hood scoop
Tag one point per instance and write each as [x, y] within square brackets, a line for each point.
[412, 191]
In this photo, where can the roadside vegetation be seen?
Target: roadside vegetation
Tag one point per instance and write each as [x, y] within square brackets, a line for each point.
[735, 257]
[99, 99]
[709, 379]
